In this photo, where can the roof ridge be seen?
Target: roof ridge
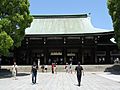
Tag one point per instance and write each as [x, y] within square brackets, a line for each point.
[62, 16]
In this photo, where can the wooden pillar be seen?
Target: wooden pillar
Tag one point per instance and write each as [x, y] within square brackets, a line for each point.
[95, 50]
[45, 50]
[95, 55]
[65, 55]
[82, 58]
[93, 61]
[107, 61]
[27, 52]
[79, 55]
[45, 56]
[82, 50]
[65, 50]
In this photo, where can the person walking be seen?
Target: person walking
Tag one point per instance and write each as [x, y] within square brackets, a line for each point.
[66, 68]
[55, 68]
[52, 68]
[70, 68]
[46, 68]
[79, 70]
[38, 62]
[43, 67]
[34, 72]
[14, 70]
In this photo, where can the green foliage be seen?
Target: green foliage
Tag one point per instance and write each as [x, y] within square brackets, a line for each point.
[5, 43]
[114, 11]
[14, 19]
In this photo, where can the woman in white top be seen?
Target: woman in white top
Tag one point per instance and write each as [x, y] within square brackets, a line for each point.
[14, 70]
[55, 68]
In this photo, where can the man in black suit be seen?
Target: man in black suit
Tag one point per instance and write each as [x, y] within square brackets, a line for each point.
[34, 72]
[79, 70]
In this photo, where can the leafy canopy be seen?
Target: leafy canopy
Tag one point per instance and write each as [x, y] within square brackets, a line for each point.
[14, 19]
[5, 43]
[114, 11]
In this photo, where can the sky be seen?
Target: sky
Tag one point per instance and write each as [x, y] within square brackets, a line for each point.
[100, 17]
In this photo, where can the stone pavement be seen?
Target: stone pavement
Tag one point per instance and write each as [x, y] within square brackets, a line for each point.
[113, 76]
[61, 81]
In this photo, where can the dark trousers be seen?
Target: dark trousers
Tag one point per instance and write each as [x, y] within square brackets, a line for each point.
[79, 79]
[53, 70]
[34, 75]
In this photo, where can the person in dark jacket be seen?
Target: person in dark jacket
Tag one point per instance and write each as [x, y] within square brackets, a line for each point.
[79, 70]
[34, 72]
[53, 68]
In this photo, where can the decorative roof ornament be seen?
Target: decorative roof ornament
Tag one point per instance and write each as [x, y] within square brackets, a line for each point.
[113, 40]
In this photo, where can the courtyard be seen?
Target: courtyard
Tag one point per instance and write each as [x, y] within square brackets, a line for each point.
[62, 81]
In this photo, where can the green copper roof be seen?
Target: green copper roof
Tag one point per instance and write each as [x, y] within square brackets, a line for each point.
[63, 24]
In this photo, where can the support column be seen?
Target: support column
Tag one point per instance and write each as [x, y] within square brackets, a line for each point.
[93, 61]
[65, 50]
[82, 58]
[82, 50]
[107, 55]
[82, 55]
[27, 52]
[95, 50]
[95, 56]
[79, 56]
[45, 56]
[65, 55]
[45, 50]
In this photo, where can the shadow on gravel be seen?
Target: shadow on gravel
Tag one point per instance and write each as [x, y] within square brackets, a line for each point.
[5, 73]
[22, 74]
[115, 69]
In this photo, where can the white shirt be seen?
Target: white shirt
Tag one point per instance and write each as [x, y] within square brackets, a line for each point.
[46, 66]
[14, 68]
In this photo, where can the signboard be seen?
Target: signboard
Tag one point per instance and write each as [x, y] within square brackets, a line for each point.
[56, 53]
[70, 54]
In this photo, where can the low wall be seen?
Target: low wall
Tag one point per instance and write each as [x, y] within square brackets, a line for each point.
[61, 68]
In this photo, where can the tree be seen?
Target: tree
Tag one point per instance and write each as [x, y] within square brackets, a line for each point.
[114, 11]
[5, 43]
[14, 19]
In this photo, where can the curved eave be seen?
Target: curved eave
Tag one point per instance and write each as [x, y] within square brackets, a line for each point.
[74, 35]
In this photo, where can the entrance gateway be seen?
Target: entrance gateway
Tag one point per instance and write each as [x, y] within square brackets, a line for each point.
[65, 38]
